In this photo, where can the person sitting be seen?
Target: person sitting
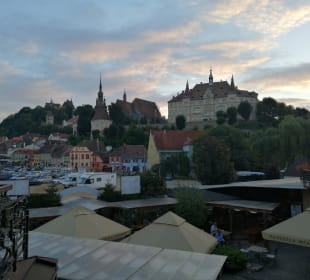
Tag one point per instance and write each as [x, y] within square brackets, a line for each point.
[213, 229]
[219, 236]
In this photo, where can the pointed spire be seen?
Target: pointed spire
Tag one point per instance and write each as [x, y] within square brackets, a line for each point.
[232, 83]
[210, 78]
[187, 87]
[100, 85]
[124, 96]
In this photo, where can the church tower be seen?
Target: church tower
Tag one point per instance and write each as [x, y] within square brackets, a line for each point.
[101, 119]
[232, 83]
[210, 78]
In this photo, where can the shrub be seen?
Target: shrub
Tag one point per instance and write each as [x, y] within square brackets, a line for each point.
[110, 194]
[235, 261]
[49, 199]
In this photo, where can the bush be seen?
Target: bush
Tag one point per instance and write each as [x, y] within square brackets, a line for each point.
[110, 194]
[152, 184]
[235, 261]
[49, 199]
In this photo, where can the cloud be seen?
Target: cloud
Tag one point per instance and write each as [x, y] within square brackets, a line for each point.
[233, 49]
[270, 17]
[293, 78]
[28, 48]
[7, 69]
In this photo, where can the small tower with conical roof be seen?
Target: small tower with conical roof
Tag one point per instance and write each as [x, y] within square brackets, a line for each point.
[124, 96]
[187, 87]
[232, 83]
[210, 78]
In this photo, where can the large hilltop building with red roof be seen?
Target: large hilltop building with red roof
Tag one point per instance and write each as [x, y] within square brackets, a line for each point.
[203, 101]
[139, 108]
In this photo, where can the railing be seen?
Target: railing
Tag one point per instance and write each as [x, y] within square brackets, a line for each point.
[14, 216]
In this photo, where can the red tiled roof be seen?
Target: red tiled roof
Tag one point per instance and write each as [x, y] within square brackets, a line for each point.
[173, 139]
[130, 151]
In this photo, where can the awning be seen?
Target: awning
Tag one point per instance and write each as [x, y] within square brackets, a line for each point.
[246, 205]
[295, 230]
[91, 259]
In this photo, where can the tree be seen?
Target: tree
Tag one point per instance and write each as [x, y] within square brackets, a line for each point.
[116, 114]
[152, 184]
[177, 164]
[231, 115]
[191, 206]
[220, 117]
[85, 114]
[212, 160]
[136, 136]
[245, 110]
[180, 122]
[237, 142]
[267, 111]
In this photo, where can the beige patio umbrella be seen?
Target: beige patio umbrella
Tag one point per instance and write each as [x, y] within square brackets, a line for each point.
[295, 230]
[172, 232]
[84, 223]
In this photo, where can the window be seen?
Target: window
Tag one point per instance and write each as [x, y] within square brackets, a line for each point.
[98, 179]
[87, 156]
[82, 156]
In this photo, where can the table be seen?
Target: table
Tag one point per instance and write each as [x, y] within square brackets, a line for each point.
[259, 252]
[258, 249]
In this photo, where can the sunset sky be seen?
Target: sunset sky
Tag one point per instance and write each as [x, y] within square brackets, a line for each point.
[57, 49]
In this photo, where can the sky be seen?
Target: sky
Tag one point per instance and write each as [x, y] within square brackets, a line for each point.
[56, 50]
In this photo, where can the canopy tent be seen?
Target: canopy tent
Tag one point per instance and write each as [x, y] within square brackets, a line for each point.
[84, 223]
[173, 232]
[295, 230]
[91, 259]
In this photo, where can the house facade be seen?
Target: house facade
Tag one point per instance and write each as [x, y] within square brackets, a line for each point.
[165, 143]
[128, 159]
[81, 157]
[205, 99]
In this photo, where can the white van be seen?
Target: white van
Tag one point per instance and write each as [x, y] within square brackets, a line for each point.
[70, 180]
[97, 180]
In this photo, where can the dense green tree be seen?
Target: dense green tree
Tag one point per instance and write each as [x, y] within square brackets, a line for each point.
[237, 141]
[176, 165]
[221, 117]
[85, 113]
[245, 110]
[180, 122]
[68, 109]
[267, 111]
[116, 114]
[152, 184]
[136, 136]
[113, 135]
[212, 160]
[292, 134]
[191, 206]
[265, 148]
[231, 115]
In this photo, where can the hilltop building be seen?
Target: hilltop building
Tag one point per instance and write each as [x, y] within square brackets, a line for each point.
[139, 109]
[203, 101]
[101, 119]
